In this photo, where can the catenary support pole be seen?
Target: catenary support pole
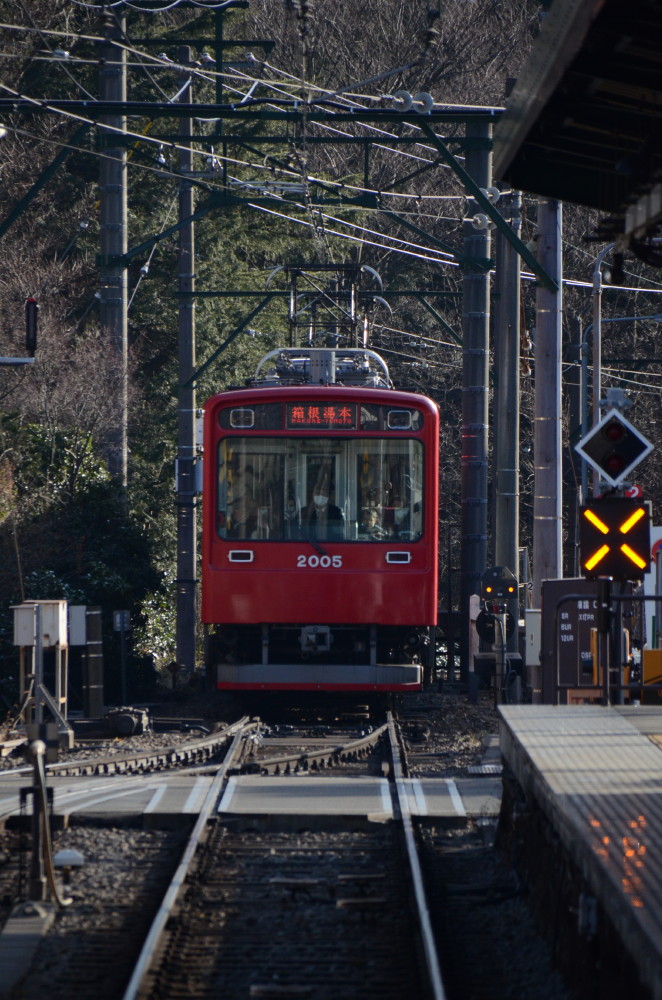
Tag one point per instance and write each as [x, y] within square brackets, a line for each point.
[93, 686]
[507, 400]
[596, 299]
[547, 506]
[475, 356]
[186, 491]
[572, 472]
[113, 235]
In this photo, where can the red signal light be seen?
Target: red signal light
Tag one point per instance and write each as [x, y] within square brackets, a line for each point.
[614, 464]
[614, 430]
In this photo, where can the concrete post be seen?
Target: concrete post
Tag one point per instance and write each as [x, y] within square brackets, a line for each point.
[113, 235]
[547, 508]
[186, 498]
[507, 403]
[475, 361]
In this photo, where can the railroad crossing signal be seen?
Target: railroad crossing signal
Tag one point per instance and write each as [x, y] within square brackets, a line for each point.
[614, 538]
[614, 447]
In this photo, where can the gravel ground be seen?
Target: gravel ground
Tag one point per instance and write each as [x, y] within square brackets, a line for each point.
[94, 942]
[446, 734]
[490, 947]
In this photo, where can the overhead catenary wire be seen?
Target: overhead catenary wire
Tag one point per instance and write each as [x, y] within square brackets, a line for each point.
[161, 171]
[219, 5]
[144, 270]
[45, 40]
[158, 60]
[174, 146]
[341, 185]
[210, 75]
[427, 256]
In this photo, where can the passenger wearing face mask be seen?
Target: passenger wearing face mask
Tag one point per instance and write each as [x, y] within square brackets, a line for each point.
[325, 520]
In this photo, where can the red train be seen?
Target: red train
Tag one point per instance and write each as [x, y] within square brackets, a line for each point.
[319, 550]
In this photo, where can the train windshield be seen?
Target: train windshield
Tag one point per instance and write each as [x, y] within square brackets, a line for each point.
[333, 489]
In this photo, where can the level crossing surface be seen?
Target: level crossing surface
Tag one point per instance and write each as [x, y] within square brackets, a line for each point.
[162, 797]
[596, 774]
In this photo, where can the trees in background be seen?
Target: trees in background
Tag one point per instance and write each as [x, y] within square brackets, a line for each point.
[63, 531]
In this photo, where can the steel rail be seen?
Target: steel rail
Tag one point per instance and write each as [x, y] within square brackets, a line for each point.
[322, 756]
[142, 760]
[437, 991]
[148, 951]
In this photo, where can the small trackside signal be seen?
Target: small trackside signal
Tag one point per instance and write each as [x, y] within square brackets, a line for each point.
[498, 584]
[31, 325]
[614, 538]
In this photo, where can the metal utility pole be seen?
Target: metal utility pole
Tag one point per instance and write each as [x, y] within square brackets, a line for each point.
[547, 507]
[507, 399]
[113, 237]
[597, 346]
[186, 454]
[572, 487]
[475, 363]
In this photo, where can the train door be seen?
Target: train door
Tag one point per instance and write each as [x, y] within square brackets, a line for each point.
[324, 515]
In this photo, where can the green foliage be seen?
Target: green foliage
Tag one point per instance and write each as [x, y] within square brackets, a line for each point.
[154, 633]
[64, 529]
[47, 585]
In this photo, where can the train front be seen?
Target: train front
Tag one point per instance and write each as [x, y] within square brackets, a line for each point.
[320, 538]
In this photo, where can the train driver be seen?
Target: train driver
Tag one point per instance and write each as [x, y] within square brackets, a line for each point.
[371, 526]
[324, 520]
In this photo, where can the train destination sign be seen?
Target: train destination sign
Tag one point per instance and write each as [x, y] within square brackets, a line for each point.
[322, 416]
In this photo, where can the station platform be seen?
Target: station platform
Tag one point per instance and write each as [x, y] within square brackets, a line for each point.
[160, 799]
[592, 775]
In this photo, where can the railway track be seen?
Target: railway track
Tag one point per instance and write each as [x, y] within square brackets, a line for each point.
[252, 911]
[283, 753]
[141, 760]
[248, 907]
[270, 913]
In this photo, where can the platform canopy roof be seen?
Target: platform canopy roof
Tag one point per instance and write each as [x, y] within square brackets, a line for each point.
[584, 120]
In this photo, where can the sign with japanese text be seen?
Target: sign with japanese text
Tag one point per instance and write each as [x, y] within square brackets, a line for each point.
[566, 634]
[321, 416]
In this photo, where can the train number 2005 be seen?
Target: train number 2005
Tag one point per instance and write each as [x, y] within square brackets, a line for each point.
[315, 562]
